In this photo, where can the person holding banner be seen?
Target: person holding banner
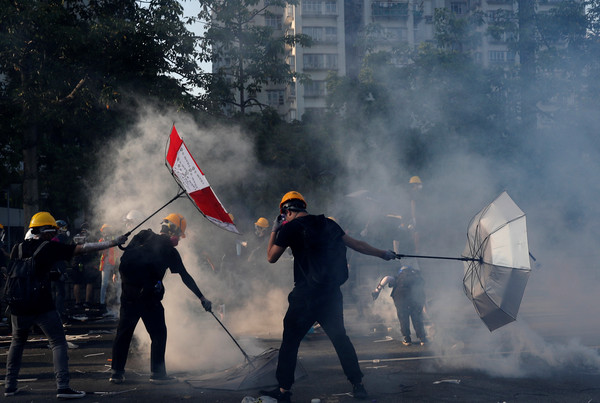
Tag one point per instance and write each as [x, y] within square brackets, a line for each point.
[143, 266]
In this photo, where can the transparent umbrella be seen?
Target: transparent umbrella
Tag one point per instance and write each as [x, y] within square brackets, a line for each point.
[497, 261]
[495, 279]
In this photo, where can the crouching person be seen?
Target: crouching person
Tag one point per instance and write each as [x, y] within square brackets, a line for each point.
[37, 307]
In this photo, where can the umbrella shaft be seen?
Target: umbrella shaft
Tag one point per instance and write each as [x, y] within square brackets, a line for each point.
[463, 259]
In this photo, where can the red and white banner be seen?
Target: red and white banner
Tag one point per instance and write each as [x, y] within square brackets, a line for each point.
[187, 173]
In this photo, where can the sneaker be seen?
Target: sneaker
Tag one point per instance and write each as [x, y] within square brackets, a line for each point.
[117, 379]
[162, 379]
[68, 393]
[277, 394]
[424, 341]
[11, 391]
[407, 341]
[359, 391]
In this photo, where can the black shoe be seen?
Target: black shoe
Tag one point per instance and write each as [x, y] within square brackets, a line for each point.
[424, 341]
[162, 379]
[68, 393]
[117, 379]
[11, 391]
[277, 394]
[407, 341]
[359, 391]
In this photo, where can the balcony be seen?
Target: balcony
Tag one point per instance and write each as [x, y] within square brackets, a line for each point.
[389, 9]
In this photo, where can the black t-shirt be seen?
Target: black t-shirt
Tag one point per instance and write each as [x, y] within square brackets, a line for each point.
[51, 253]
[292, 235]
[145, 262]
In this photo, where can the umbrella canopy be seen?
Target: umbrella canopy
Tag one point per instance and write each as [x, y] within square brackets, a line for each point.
[495, 279]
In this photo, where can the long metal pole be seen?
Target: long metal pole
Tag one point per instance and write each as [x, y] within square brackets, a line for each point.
[152, 215]
[463, 259]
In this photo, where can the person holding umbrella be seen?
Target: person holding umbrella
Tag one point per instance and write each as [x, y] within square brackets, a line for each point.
[319, 248]
[143, 265]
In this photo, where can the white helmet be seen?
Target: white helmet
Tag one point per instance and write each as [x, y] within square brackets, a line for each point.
[133, 218]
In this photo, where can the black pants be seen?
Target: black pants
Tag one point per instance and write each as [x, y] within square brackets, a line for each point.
[305, 308]
[152, 314]
[409, 308]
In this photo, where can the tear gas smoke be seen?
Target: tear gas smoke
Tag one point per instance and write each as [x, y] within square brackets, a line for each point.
[134, 176]
[555, 330]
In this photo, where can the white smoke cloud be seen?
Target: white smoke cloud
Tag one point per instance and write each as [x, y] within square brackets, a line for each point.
[134, 176]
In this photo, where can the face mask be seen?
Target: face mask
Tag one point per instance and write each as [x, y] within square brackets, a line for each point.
[174, 240]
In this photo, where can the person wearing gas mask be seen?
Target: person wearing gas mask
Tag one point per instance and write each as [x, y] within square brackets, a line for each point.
[143, 265]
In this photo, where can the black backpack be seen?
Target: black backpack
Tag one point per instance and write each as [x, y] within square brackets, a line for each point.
[325, 254]
[23, 288]
[409, 278]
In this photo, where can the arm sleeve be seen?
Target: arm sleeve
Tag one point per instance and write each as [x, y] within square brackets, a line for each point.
[176, 266]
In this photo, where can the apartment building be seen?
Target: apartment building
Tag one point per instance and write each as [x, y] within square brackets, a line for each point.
[336, 26]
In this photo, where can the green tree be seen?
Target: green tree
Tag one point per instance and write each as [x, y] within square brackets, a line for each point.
[71, 72]
[248, 54]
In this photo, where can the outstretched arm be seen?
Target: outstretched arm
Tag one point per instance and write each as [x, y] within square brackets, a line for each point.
[366, 249]
[191, 284]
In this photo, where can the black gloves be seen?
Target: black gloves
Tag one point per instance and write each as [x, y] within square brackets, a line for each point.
[207, 305]
[278, 223]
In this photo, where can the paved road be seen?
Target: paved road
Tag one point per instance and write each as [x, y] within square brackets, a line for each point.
[393, 372]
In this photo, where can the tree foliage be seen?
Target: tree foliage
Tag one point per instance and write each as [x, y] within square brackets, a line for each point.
[72, 69]
[249, 55]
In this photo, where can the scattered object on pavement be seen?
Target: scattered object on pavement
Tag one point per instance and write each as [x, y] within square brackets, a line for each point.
[455, 381]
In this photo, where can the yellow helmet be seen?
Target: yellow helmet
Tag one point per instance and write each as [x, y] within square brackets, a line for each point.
[295, 198]
[42, 219]
[262, 222]
[176, 224]
[415, 179]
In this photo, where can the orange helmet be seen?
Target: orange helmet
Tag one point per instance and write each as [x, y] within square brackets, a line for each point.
[292, 200]
[175, 224]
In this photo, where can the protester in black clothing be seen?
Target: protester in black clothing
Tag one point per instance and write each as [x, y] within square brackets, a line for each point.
[59, 291]
[42, 312]
[85, 274]
[408, 293]
[143, 266]
[4, 255]
[313, 300]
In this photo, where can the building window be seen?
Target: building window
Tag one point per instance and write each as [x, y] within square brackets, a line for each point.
[275, 97]
[389, 9]
[320, 61]
[314, 89]
[273, 21]
[331, 34]
[316, 33]
[496, 56]
[311, 7]
[321, 34]
[458, 8]
[330, 7]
